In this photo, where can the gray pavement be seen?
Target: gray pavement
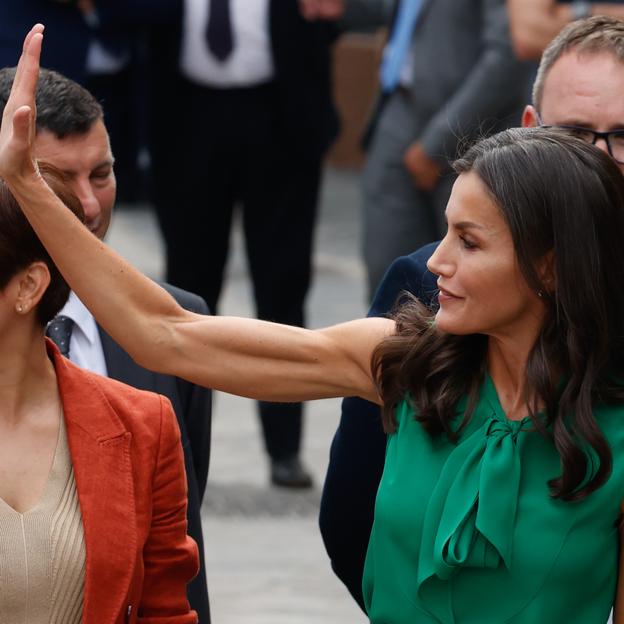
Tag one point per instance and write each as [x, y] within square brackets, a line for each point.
[266, 563]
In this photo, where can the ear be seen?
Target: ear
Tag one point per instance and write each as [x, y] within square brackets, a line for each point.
[530, 117]
[546, 272]
[30, 285]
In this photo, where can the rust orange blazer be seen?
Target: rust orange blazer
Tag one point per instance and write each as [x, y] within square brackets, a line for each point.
[129, 471]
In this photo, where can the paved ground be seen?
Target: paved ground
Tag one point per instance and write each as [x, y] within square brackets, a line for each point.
[265, 560]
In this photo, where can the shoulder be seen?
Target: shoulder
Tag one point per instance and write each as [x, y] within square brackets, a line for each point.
[146, 415]
[186, 299]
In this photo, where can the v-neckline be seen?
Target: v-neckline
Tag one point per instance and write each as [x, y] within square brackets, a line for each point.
[46, 493]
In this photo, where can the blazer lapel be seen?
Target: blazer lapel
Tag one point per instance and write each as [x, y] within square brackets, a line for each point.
[100, 452]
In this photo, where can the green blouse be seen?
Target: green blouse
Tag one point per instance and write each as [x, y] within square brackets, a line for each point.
[467, 533]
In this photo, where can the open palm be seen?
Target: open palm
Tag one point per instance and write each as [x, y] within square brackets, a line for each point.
[18, 121]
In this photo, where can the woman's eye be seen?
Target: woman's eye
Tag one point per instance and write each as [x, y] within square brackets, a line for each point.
[467, 243]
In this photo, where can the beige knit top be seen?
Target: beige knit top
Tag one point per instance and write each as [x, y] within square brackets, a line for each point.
[42, 552]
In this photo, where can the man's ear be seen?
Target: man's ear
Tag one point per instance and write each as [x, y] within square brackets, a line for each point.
[529, 117]
[30, 286]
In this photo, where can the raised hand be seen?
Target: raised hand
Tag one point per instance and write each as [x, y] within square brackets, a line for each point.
[17, 131]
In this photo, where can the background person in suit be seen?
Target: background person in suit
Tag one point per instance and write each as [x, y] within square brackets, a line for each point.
[534, 23]
[448, 74]
[71, 136]
[93, 485]
[580, 81]
[248, 82]
[66, 49]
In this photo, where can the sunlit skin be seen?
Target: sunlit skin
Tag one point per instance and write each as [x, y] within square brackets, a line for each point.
[86, 159]
[482, 290]
[582, 89]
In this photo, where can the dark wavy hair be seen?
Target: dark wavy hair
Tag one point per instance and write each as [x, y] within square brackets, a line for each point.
[560, 195]
[20, 246]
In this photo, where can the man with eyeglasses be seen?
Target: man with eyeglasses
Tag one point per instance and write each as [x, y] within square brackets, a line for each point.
[579, 87]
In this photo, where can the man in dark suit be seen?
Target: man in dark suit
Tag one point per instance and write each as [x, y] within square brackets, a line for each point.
[67, 34]
[71, 136]
[242, 114]
[579, 83]
[448, 74]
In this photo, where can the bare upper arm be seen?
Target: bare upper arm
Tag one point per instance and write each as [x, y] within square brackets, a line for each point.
[269, 361]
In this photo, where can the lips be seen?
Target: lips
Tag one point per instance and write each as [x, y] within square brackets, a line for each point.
[446, 295]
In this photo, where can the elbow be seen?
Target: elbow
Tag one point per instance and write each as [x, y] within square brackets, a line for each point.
[155, 352]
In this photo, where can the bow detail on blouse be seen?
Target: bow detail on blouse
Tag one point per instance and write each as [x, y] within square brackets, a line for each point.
[470, 518]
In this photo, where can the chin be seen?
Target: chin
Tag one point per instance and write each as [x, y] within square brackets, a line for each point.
[450, 324]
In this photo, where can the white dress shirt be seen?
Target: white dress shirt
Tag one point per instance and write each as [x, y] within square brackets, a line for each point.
[85, 346]
[250, 62]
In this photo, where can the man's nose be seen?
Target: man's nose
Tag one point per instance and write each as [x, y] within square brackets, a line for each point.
[602, 145]
[88, 200]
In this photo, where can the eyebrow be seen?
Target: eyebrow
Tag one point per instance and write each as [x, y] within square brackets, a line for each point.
[109, 162]
[467, 225]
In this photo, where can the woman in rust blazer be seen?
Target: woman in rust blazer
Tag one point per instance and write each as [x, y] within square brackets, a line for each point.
[92, 483]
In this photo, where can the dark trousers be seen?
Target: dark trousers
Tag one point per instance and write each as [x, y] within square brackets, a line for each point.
[213, 150]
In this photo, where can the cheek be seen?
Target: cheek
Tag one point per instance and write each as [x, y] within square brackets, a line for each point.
[493, 296]
[106, 199]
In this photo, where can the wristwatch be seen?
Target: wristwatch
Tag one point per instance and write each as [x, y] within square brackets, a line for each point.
[580, 9]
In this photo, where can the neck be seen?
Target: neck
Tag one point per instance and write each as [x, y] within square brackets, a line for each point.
[507, 361]
[27, 377]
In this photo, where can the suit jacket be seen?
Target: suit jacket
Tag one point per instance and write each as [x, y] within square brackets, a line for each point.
[467, 81]
[192, 406]
[129, 469]
[301, 54]
[358, 449]
[66, 38]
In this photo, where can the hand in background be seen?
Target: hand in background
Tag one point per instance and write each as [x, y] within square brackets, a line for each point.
[424, 170]
[17, 131]
[322, 9]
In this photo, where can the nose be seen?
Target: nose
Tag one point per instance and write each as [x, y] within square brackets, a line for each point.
[88, 200]
[439, 262]
[602, 145]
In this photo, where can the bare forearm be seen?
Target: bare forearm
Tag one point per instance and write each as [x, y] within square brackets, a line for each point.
[534, 23]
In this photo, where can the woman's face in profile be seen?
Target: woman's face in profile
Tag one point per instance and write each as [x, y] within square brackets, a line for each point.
[482, 289]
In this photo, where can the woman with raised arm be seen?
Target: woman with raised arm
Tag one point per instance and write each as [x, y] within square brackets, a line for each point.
[504, 478]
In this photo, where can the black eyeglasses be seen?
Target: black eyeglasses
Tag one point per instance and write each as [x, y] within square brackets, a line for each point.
[614, 138]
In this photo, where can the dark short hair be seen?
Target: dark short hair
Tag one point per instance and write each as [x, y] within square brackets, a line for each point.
[20, 246]
[63, 106]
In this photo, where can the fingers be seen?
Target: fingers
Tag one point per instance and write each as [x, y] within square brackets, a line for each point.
[31, 53]
[21, 124]
[37, 28]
